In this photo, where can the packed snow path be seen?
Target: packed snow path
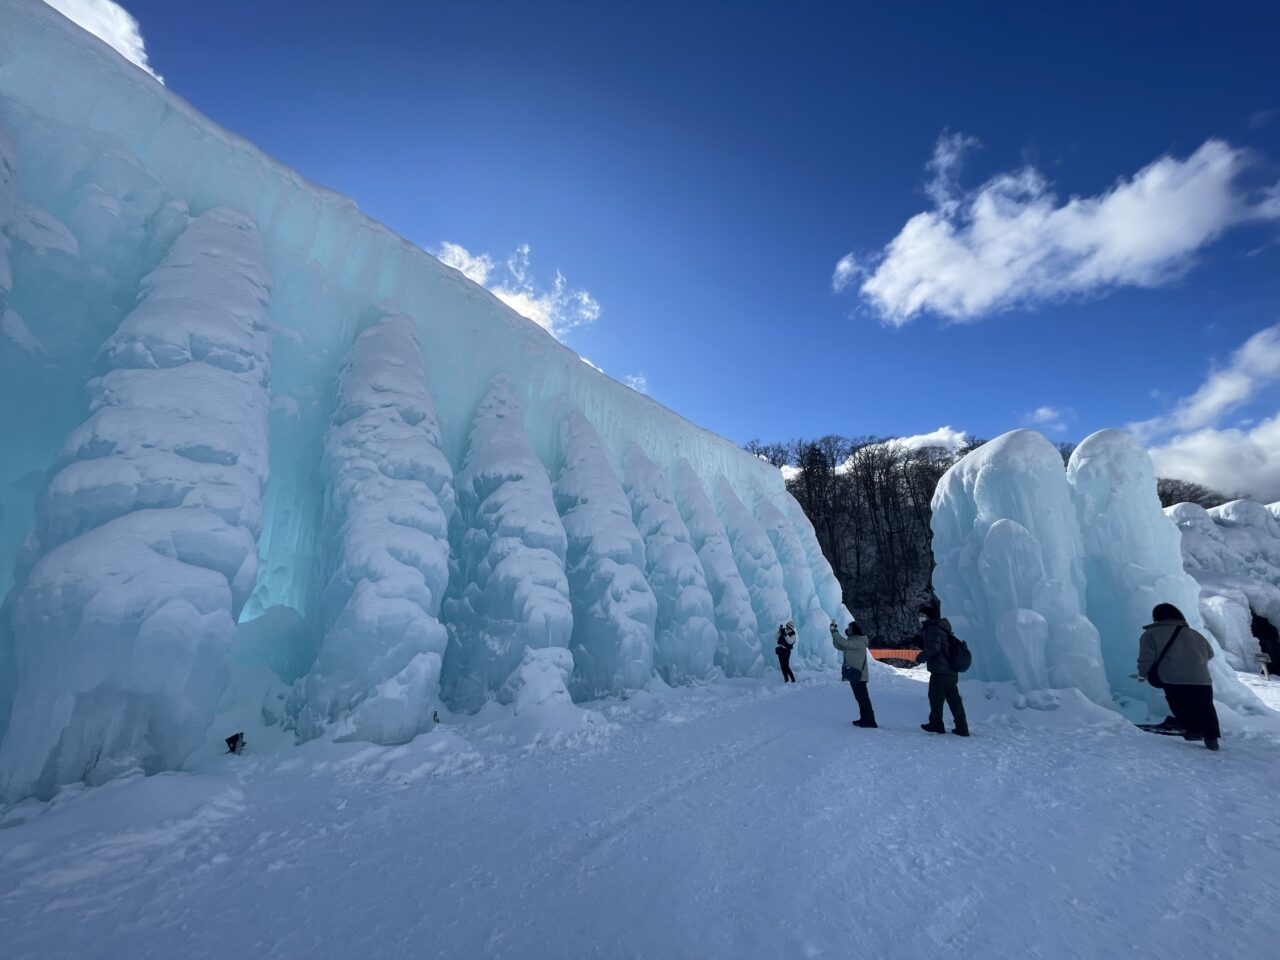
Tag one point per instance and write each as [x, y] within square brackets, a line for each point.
[739, 820]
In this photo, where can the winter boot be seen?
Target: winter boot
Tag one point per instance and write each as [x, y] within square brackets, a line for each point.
[1211, 743]
[867, 723]
[933, 728]
[961, 731]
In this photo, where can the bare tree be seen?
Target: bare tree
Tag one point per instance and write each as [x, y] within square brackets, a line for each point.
[1172, 491]
[869, 503]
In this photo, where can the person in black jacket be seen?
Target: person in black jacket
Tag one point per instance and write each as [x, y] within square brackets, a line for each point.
[944, 683]
[786, 643]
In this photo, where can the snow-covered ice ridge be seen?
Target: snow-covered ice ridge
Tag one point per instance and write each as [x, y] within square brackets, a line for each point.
[1051, 574]
[1233, 552]
[242, 422]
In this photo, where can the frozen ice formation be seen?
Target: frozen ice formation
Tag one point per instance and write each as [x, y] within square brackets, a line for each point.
[389, 507]
[143, 550]
[1133, 561]
[1051, 575]
[1010, 567]
[445, 522]
[509, 565]
[739, 643]
[756, 560]
[685, 636]
[813, 641]
[614, 608]
[1233, 552]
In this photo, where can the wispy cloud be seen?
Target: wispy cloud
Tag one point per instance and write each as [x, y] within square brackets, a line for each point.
[558, 308]
[1251, 367]
[637, 382]
[1049, 419]
[1012, 242]
[110, 23]
[1192, 443]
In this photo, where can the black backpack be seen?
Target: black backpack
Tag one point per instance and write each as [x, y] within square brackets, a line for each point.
[959, 657]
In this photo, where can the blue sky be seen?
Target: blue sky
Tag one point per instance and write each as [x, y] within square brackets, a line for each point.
[698, 172]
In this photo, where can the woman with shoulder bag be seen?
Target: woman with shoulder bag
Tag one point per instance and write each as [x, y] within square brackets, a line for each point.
[854, 670]
[1174, 657]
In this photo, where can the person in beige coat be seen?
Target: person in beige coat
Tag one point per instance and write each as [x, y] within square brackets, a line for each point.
[1180, 654]
[855, 669]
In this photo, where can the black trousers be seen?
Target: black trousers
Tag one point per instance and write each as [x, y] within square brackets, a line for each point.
[1192, 706]
[945, 688]
[865, 710]
[784, 661]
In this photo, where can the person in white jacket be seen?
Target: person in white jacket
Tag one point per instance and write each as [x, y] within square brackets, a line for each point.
[856, 670]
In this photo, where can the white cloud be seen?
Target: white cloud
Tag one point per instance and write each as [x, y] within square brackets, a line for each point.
[1049, 419]
[1253, 366]
[110, 23]
[943, 437]
[558, 309]
[591, 364]
[637, 382]
[1232, 461]
[1190, 443]
[1012, 242]
[475, 268]
[944, 167]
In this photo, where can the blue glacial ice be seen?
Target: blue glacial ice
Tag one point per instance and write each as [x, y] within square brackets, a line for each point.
[1051, 573]
[245, 424]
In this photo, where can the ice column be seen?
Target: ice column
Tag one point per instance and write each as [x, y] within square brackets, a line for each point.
[614, 609]
[812, 623]
[1010, 567]
[738, 650]
[824, 580]
[757, 562]
[146, 533]
[1132, 554]
[508, 590]
[685, 639]
[390, 502]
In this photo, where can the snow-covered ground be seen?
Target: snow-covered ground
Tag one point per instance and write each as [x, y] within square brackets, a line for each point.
[738, 819]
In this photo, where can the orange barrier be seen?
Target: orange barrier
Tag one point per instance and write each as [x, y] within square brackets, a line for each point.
[911, 654]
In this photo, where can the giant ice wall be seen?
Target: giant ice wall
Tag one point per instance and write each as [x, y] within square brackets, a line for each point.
[1051, 574]
[446, 486]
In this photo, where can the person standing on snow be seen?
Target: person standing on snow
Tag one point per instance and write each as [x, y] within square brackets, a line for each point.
[786, 643]
[855, 670]
[1180, 656]
[944, 681]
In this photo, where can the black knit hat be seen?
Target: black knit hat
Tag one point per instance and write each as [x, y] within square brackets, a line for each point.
[1167, 611]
